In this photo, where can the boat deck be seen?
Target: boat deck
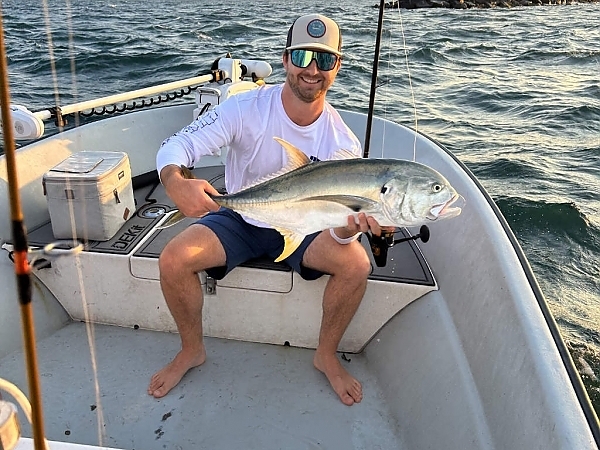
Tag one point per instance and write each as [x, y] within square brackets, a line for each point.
[246, 395]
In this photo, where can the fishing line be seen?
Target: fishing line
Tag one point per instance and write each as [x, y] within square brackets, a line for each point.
[88, 323]
[412, 92]
[72, 57]
[51, 55]
[90, 331]
[387, 98]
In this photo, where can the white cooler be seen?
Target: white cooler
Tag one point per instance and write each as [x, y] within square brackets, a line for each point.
[90, 195]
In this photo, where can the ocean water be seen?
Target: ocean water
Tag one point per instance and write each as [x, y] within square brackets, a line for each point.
[514, 93]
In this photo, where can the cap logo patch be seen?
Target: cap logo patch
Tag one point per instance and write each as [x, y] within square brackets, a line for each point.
[316, 28]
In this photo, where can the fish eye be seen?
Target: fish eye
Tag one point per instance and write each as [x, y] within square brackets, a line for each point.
[384, 189]
[436, 187]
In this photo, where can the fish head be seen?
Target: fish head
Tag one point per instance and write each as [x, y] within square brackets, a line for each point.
[420, 196]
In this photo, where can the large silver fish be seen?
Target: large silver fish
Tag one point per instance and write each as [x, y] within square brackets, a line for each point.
[306, 197]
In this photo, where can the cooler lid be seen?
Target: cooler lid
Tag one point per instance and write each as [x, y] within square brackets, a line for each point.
[86, 165]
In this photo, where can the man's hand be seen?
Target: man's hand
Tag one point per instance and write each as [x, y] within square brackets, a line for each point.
[189, 195]
[362, 223]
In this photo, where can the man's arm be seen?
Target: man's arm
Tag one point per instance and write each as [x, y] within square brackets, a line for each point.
[205, 136]
[191, 196]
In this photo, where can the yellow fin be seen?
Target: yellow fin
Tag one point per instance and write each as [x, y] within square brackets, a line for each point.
[174, 219]
[291, 242]
[187, 173]
[296, 158]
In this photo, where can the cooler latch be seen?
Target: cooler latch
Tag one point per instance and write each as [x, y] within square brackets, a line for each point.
[116, 194]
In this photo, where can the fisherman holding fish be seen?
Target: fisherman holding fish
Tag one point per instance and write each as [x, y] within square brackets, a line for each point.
[247, 123]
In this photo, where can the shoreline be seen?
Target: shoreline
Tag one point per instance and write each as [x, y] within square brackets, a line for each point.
[468, 4]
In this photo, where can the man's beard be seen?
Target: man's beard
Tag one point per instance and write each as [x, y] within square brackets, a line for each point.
[305, 95]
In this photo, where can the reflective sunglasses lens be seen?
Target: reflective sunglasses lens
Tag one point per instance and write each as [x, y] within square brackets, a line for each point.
[301, 58]
[325, 61]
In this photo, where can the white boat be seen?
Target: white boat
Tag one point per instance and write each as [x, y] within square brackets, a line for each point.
[453, 342]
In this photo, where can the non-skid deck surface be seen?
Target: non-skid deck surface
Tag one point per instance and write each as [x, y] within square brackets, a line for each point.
[246, 396]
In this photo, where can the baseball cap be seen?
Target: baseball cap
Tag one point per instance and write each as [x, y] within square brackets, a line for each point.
[315, 32]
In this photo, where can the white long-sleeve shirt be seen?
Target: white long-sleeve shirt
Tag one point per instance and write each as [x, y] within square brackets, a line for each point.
[246, 123]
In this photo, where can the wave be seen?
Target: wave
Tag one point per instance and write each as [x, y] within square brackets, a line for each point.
[578, 113]
[559, 220]
[430, 55]
[509, 169]
[585, 357]
[561, 55]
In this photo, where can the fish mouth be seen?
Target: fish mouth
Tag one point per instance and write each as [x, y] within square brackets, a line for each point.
[451, 208]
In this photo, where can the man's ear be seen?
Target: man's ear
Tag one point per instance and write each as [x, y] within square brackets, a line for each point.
[285, 59]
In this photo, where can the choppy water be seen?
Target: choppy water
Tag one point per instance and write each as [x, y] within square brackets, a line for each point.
[515, 93]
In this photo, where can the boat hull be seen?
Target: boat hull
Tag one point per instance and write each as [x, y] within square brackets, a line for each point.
[471, 363]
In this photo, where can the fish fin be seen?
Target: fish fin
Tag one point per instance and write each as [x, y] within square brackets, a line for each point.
[353, 202]
[186, 172]
[343, 154]
[296, 158]
[174, 219]
[291, 242]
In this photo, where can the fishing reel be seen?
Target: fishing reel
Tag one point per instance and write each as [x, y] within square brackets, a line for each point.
[381, 244]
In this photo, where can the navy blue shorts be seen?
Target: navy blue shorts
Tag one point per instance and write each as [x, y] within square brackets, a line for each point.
[243, 242]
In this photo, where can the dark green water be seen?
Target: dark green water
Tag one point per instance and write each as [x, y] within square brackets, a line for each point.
[514, 93]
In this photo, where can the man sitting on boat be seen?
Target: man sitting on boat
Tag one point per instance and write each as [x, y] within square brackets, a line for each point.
[297, 112]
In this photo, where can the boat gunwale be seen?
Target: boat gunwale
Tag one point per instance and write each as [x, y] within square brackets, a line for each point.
[577, 383]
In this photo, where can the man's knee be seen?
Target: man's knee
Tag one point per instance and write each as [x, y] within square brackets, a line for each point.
[362, 266]
[170, 259]
[195, 249]
[356, 265]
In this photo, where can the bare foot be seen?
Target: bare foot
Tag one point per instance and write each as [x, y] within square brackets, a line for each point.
[169, 376]
[345, 385]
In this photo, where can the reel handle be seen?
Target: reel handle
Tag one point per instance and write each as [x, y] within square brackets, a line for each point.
[381, 244]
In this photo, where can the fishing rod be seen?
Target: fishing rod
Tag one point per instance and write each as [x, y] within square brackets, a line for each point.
[30, 125]
[380, 244]
[374, 80]
[22, 267]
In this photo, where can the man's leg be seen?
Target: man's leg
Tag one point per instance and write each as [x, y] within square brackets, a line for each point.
[195, 249]
[349, 267]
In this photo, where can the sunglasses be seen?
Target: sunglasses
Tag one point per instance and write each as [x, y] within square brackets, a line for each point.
[302, 58]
